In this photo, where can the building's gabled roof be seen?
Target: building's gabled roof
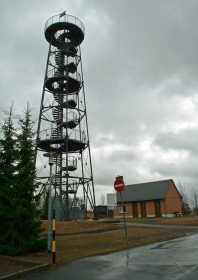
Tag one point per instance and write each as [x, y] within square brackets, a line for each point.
[145, 191]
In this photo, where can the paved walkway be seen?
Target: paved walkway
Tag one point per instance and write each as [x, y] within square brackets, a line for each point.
[170, 260]
[160, 226]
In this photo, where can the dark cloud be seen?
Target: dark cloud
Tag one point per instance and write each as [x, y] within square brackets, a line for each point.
[140, 70]
[183, 140]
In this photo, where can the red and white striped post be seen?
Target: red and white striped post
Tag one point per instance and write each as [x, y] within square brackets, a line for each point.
[54, 237]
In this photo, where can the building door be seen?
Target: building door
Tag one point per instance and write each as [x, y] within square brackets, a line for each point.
[158, 208]
[135, 210]
[143, 209]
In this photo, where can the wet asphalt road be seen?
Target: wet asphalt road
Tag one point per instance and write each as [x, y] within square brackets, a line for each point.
[174, 260]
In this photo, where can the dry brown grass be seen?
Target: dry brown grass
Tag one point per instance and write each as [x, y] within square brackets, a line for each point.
[78, 226]
[185, 221]
[182, 221]
[71, 247]
[88, 242]
[10, 265]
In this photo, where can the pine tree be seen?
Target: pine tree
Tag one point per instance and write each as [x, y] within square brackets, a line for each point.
[19, 217]
[27, 224]
[8, 192]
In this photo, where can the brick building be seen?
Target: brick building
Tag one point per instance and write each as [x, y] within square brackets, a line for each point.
[153, 199]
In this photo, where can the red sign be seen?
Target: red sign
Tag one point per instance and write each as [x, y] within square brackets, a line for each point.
[119, 184]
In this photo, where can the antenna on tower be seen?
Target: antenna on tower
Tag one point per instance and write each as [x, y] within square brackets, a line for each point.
[62, 14]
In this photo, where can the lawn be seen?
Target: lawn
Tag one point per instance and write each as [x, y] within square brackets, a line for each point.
[81, 239]
[86, 241]
[9, 265]
[185, 221]
[182, 221]
[76, 227]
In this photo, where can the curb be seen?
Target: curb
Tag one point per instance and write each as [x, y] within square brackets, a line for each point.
[15, 275]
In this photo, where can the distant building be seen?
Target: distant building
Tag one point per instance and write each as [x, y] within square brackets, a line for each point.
[100, 211]
[152, 199]
[76, 212]
[111, 201]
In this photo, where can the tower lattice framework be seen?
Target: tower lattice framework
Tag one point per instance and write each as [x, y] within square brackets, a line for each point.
[62, 132]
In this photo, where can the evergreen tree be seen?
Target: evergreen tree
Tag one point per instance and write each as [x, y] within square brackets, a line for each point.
[19, 217]
[8, 192]
[27, 225]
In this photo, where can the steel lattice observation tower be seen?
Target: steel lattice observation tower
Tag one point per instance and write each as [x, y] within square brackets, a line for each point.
[62, 132]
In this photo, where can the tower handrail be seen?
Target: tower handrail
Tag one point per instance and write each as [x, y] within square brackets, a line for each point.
[65, 18]
[73, 134]
[52, 73]
[72, 161]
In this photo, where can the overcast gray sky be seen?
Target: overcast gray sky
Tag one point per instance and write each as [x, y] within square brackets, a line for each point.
[140, 64]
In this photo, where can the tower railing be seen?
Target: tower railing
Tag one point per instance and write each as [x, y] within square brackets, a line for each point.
[54, 73]
[65, 18]
[46, 134]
